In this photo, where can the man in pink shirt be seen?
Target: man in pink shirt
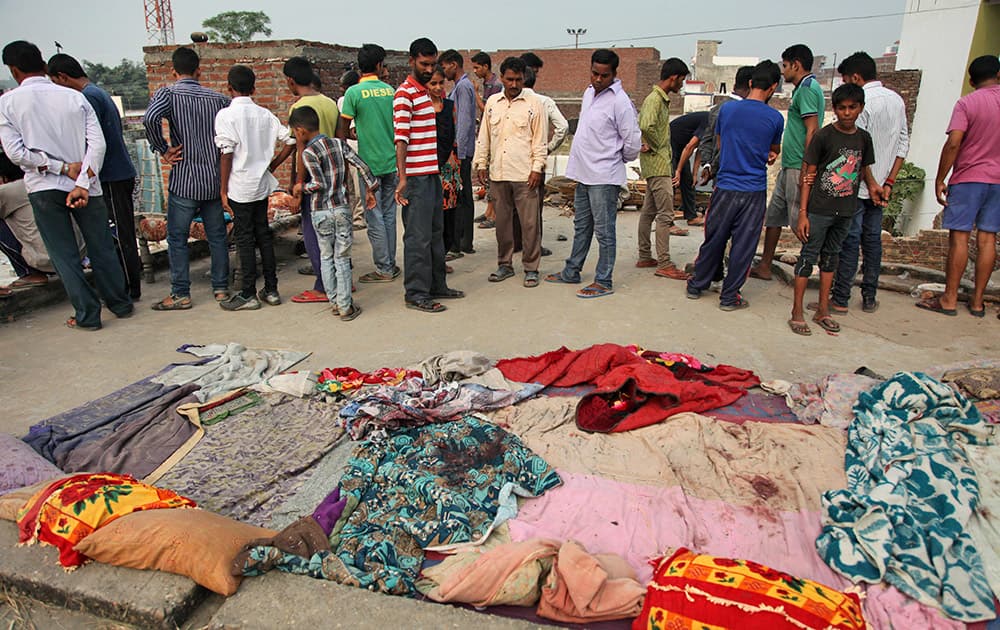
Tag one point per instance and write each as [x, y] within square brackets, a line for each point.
[972, 196]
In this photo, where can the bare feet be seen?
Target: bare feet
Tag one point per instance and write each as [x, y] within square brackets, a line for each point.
[761, 273]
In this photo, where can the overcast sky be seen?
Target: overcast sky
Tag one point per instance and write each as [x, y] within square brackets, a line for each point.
[109, 30]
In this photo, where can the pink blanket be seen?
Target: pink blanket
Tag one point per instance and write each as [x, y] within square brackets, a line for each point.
[643, 522]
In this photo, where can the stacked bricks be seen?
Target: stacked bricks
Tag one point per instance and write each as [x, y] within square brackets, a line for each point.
[267, 58]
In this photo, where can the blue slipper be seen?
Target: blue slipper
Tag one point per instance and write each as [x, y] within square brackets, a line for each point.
[593, 291]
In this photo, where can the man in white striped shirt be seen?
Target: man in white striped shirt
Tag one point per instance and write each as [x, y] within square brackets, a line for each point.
[884, 118]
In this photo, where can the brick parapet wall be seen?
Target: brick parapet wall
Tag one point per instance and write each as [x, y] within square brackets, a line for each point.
[929, 248]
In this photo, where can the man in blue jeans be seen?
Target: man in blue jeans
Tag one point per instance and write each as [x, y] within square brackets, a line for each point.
[607, 137]
[53, 134]
[368, 104]
[884, 118]
[193, 187]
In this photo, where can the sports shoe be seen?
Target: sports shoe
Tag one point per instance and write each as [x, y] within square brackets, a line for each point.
[869, 304]
[240, 303]
[271, 297]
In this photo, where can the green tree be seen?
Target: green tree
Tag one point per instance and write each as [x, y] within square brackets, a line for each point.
[127, 80]
[237, 26]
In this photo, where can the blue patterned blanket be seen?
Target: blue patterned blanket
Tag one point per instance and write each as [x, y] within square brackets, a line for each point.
[910, 494]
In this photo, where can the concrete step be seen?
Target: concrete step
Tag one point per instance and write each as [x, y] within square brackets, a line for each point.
[293, 601]
[149, 599]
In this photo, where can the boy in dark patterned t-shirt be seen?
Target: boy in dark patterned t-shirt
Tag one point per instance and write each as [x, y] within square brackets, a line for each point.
[835, 162]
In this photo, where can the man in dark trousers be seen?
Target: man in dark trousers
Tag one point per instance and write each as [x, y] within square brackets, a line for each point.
[685, 133]
[53, 134]
[419, 188]
[749, 139]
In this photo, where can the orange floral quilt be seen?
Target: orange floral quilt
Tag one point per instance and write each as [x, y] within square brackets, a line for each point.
[68, 510]
[697, 591]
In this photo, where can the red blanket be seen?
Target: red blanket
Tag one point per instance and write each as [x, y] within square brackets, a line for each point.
[631, 391]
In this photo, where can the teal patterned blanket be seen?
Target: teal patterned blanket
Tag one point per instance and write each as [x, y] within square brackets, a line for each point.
[439, 484]
[910, 495]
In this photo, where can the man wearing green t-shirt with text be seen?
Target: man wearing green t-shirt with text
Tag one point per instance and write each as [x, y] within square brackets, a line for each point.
[805, 117]
[369, 105]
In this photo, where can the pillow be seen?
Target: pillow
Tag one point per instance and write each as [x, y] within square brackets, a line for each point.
[12, 501]
[195, 543]
[68, 510]
[697, 590]
[21, 466]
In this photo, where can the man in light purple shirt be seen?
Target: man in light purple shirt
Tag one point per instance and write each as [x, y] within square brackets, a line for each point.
[607, 137]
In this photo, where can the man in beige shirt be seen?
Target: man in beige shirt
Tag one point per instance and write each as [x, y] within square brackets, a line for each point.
[510, 153]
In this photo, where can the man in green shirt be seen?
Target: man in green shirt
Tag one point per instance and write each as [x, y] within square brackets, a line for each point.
[805, 117]
[369, 105]
[655, 162]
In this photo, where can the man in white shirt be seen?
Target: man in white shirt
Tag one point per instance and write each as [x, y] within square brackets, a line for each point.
[53, 134]
[246, 134]
[884, 117]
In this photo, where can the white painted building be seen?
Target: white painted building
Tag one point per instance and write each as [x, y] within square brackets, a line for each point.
[940, 38]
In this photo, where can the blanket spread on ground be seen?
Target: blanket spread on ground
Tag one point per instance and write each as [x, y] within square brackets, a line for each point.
[910, 494]
[231, 366]
[412, 403]
[249, 464]
[632, 387]
[421, 487]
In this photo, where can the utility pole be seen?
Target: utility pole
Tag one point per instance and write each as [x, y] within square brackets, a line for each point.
[834, 73]
[576, 33]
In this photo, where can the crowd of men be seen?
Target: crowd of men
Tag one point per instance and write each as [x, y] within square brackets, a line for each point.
[416, 148]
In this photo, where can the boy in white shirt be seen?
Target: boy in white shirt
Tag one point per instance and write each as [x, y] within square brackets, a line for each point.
[246, 134]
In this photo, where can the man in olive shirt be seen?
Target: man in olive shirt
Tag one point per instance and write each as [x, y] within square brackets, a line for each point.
[299, 76]
[655, 161]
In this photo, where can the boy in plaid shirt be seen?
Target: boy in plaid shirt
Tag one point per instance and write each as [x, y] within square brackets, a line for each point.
[325, 160]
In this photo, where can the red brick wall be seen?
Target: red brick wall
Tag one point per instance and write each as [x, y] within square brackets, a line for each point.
[267, 59]
[907, 83]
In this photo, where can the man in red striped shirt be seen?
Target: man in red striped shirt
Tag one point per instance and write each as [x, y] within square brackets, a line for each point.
[419, 190]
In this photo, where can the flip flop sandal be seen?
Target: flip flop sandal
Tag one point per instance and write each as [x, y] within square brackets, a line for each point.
[309, 297]
[172, 303]
[593, 291]
[828, 324]
[800, 328]
[839, 310]
[755, 274]
[531, 279]
[427, 306]
[934, 305]
[678, 231]
[673, 273]
[351, 314]
[71, 324]
[976, 313]
[556, 278]
[501, 274]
